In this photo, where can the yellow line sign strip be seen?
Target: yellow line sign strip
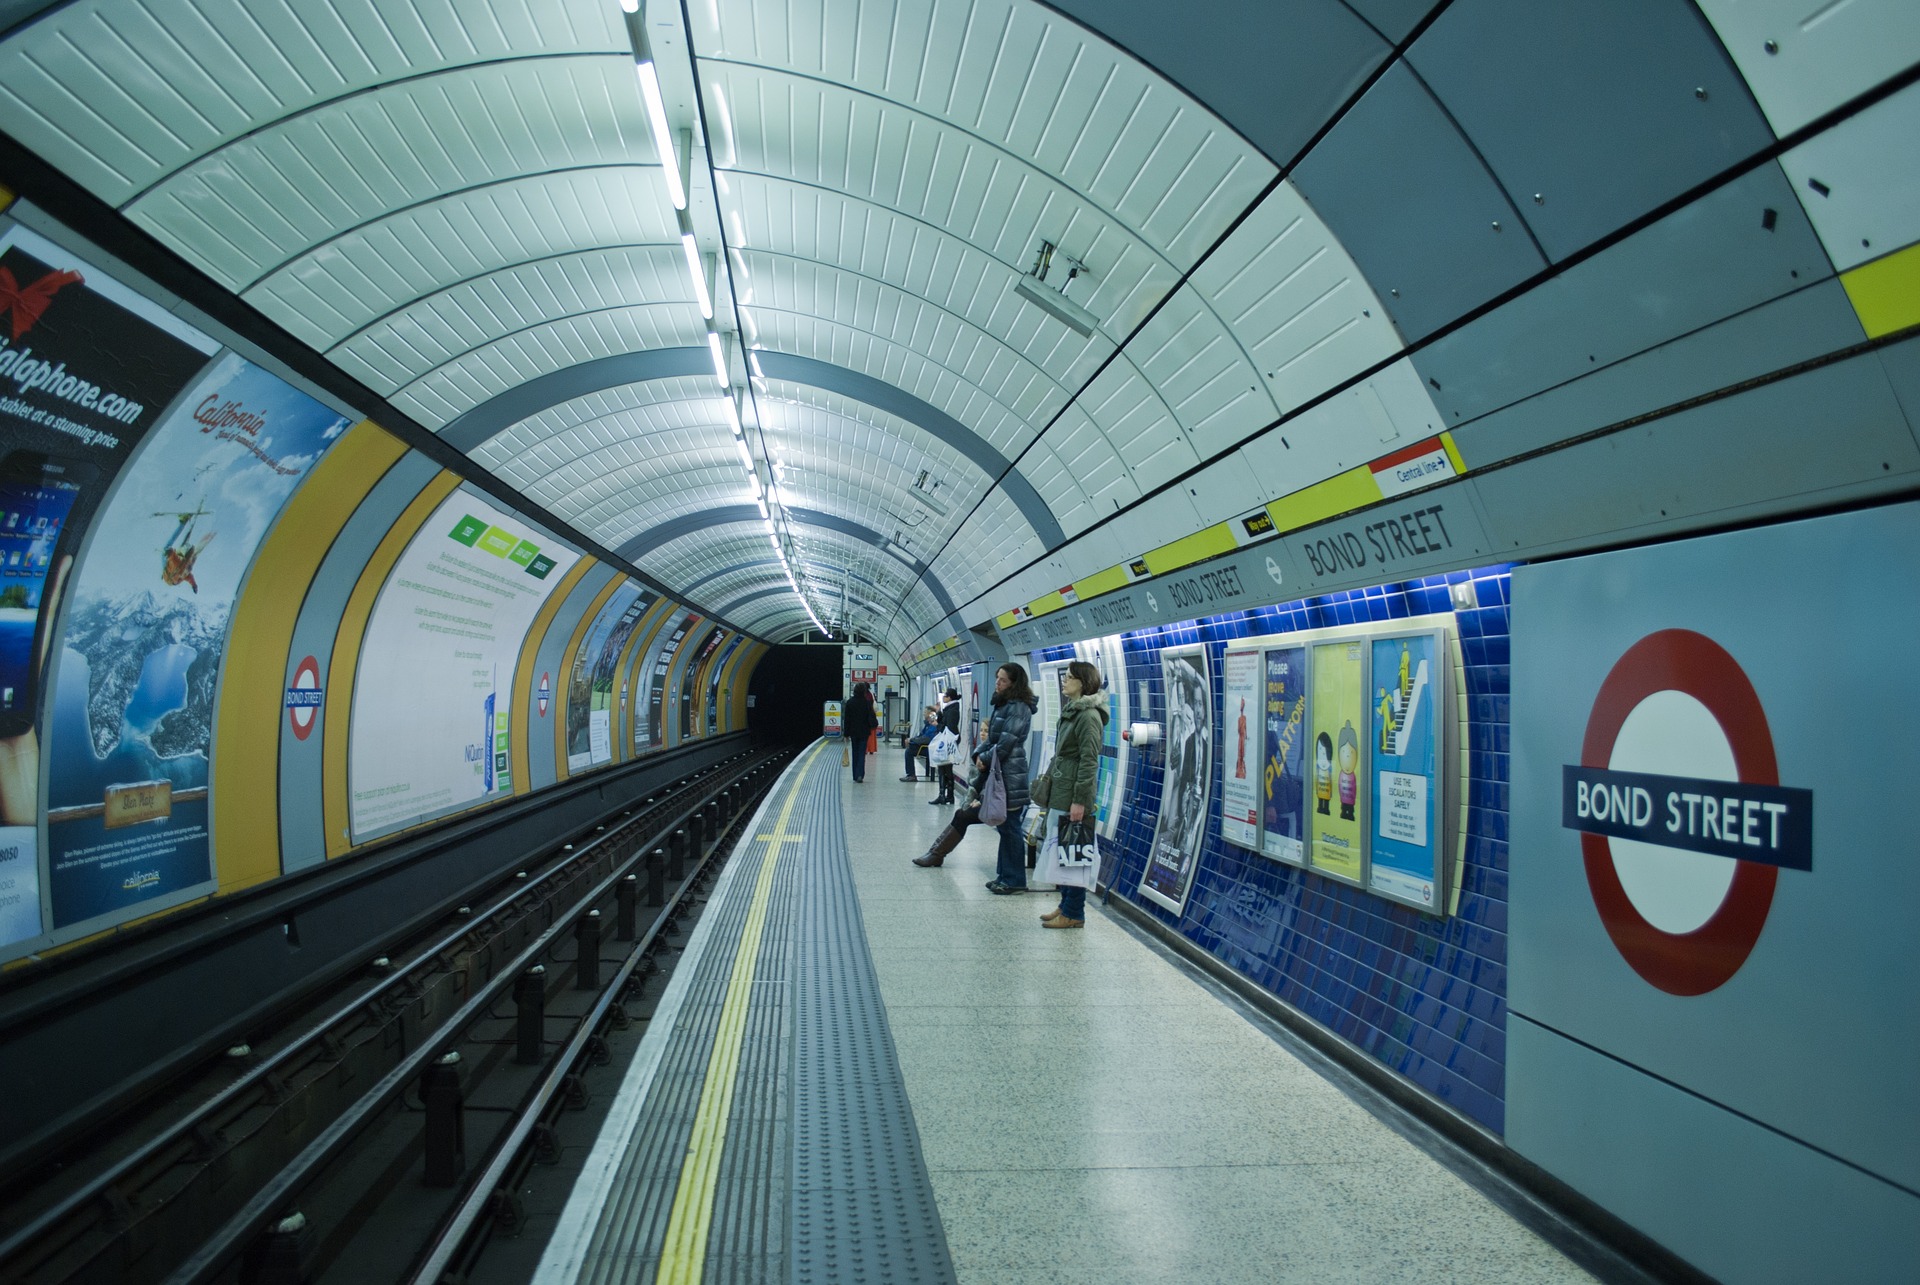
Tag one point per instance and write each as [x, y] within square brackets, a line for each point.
[683, 1257]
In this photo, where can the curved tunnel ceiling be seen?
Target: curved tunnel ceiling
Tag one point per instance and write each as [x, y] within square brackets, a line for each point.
[1312, 231]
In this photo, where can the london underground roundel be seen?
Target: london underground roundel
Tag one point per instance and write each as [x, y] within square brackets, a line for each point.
[303, 698]
[1684, 825]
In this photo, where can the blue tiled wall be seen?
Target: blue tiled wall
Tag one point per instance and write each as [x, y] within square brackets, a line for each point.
[1426, 996]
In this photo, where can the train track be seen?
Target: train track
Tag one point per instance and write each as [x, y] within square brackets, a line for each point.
[402, 1110]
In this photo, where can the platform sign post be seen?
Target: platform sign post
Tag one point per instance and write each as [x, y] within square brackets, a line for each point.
[831, 719]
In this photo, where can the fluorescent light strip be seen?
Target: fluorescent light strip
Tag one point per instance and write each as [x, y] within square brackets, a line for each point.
[719, 358]
[699, 272]
[662, 132]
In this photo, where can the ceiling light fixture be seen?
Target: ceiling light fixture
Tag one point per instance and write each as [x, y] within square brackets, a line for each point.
[657, 122]
[696, 268]
[719, 358]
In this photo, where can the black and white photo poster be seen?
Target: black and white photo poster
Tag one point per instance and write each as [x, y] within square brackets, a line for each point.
[1185, 787]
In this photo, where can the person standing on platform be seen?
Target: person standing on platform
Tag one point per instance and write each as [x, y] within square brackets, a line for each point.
[917, 744]
[1071, 778]
[1006, 734]
[858, 722]
[949, 721]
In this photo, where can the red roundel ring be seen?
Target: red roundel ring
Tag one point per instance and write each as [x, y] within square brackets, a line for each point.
[1690, 963]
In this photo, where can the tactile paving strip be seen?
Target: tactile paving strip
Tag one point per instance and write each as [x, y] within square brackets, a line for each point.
[862, 1203]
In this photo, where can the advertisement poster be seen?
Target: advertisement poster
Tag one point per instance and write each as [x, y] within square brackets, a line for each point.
[1111, 658]
[1181, 830]
[430, 720]
[650, 729]
[1283, 779]
[1339, 846]
[1242, 677]
[690, 675]
[590, 686]
[131, 724]
[86, 369]
[1047, 688]
[715, 673]
[1407, 821]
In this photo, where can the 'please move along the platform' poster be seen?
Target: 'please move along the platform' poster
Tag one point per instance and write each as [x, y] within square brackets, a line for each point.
[1407, 793]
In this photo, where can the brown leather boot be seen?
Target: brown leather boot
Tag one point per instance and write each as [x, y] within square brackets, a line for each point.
[943, 843]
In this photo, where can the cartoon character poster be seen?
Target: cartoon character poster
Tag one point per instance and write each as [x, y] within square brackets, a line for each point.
[1241, 680]
[1180, 833]
[132, 720]
[87, 368]
[1405, 739]
[1283, 772]
[1338, 805]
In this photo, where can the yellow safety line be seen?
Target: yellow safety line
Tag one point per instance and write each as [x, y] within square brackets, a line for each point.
[683, 1257]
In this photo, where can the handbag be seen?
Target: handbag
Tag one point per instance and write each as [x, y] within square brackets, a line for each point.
[943, 749]
[1041, 791]
[873, 740]
[993, 796]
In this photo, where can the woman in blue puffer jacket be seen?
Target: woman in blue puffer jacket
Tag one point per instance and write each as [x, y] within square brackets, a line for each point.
[1014, 705]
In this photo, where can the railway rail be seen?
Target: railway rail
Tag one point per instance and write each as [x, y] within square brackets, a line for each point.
[402, 1109]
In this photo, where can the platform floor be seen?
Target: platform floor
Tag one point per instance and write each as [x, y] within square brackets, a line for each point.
[1074, 1105]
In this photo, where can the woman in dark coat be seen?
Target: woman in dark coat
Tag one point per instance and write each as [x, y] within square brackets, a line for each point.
[1007, 729]
[1072, 776]
[856, 721]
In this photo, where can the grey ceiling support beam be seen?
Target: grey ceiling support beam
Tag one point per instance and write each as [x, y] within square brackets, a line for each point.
[688, 523]
[881, 395]
[523, 401]
[770, 563]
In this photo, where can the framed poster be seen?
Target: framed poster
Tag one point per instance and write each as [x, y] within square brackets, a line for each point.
[1181, 830]
[1409, 746]
[1283, 773]
[1338, 711]
[1110, 659]
[1242, 676]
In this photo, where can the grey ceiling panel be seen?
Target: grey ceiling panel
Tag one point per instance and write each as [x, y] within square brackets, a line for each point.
[1716, 257]
[1603, 109]
[895, 401]
[1902, 364]
[1807, 324]
[1420, 214]
[1275, 71]
[535, 395]
[1394, 19]
[1743, 456]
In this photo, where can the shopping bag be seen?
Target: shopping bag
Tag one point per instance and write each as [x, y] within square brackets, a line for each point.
[993, 796]
[943, 749]
[873, 740]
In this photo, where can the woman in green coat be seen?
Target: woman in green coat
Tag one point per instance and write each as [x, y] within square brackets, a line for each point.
[1071, 777]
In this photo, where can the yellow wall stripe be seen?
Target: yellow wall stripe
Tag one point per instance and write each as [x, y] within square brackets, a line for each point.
[518, 737]
[1101, 582]
[676, 674]
[1886, 292]
[683, 1257]
[563, 681]
[6, 197]
[1340, 493]
[338, 710]
[1216, 539]
[1453, 453]
[741, 681]
[246, 740]
[1039, 606]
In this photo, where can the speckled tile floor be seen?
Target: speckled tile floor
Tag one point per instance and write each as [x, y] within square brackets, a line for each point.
[1091, 1113]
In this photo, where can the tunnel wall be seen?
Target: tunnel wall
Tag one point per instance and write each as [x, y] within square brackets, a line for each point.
[273, 633]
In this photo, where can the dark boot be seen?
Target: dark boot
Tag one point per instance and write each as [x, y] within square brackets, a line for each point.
[943, 843]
